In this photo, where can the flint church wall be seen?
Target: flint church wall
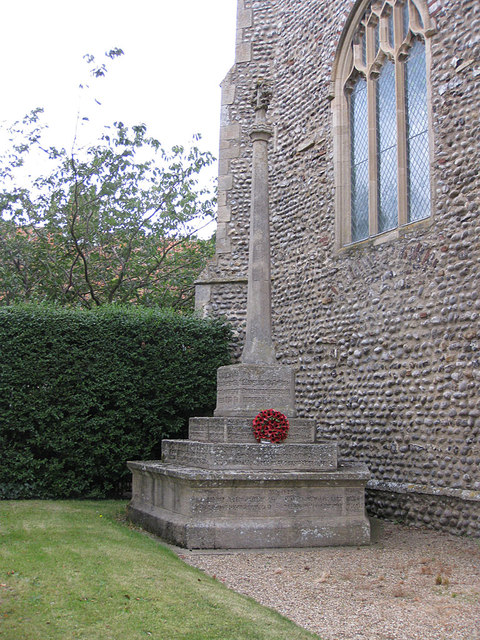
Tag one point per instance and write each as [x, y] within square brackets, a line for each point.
[385, 336]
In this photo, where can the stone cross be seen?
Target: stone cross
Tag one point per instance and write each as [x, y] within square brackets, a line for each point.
[258, 382]
[258, 341]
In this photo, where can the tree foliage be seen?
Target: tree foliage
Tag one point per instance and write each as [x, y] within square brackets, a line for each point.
[111, 222]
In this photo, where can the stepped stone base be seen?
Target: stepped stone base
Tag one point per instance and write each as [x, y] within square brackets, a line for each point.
[240, 509]
[231, 429]
[253, 457]
[221, 489]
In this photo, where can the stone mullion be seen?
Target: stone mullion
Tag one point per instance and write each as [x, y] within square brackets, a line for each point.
[401, 105]
[342, 158]
[353, 62]
[345, 160]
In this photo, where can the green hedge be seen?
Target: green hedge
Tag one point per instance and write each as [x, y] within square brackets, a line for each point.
[82, 392]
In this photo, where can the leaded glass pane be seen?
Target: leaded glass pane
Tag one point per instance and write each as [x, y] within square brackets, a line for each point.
[377, 37]
[406, 22]
[418, 178]
[359, 164]
[387, 149]
[417, 134]
[417, 15]
[364, 48]
[391, 36]
[360, 227]
[416, 87]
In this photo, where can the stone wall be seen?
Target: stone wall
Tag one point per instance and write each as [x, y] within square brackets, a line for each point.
[385, 336]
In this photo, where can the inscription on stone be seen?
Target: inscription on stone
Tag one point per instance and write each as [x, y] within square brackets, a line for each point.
[245, 389]
[228, 398]
[355, 503]
[287, 503]
[239, 430]
[241, 509]
[320, 456]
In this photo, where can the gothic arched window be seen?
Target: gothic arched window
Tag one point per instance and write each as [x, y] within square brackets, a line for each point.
[381, 120]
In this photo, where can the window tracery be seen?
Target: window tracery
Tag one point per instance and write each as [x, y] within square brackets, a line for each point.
[381, 120]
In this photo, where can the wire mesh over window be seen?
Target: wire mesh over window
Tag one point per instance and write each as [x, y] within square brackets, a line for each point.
[387, 149]
[417, 134]
[359, 158]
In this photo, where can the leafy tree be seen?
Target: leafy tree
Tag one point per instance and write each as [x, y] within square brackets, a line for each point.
[110, 222]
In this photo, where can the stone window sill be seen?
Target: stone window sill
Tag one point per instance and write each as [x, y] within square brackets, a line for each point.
[387, 236]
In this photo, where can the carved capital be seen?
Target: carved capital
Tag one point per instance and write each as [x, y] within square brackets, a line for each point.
[260, 132]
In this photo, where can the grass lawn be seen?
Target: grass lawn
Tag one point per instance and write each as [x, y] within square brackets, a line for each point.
[73, 570]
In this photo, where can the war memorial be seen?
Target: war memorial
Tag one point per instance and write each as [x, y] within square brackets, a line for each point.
[221, 488]
[373, 153]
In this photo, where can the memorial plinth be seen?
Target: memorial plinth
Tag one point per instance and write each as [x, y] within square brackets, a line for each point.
[240, 430]
[247, 389]
[251, 457]
[221, 488]
[205, 509]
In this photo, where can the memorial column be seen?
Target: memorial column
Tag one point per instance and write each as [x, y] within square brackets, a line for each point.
[258, 347]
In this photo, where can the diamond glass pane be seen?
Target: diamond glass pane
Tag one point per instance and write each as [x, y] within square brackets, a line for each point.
[418, 178]
[387, 149]
[387, 190]
[359, 160]
[416, 89]
[386, 108]
[364, 48]
[359, 121]
[406, 22]
[417, 134]
[391, 37]
[417, 15]
[377, 37]
[360, 228]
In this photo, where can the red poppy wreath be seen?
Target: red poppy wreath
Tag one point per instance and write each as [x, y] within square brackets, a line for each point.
[270, 425]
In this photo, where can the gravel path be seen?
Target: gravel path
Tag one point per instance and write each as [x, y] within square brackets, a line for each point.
[410, 584]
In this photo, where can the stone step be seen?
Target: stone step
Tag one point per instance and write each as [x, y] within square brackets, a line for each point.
[252, 457]
[302, 430]
[202, 509]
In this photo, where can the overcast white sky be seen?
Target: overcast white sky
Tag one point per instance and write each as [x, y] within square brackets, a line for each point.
[176, 54]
